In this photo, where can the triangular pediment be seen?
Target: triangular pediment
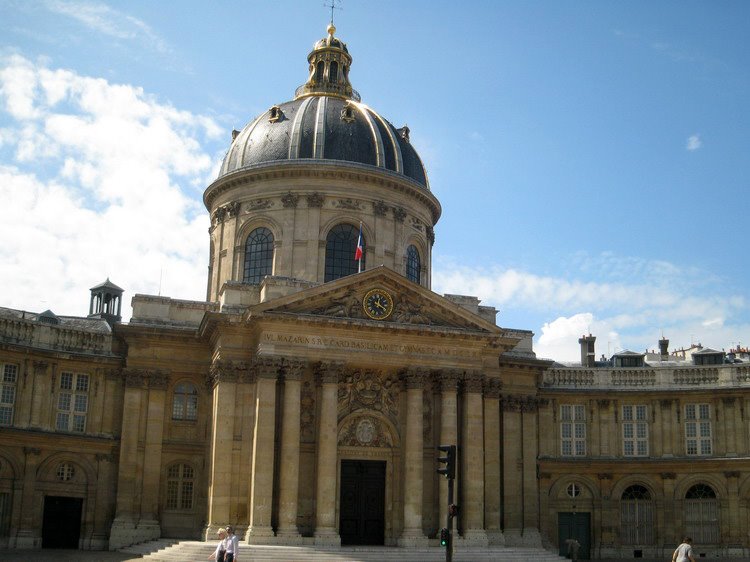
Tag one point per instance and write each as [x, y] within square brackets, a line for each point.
[346, 299]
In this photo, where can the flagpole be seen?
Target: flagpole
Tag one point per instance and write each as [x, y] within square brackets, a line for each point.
[359, 243]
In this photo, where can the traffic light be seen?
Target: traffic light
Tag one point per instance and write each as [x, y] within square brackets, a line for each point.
[450, 461]
[444, 537]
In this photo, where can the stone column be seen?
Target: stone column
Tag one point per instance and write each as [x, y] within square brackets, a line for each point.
[512, 477]
[412, 534]
[223, 379]
[29, 532]
[448, 431]
[531, 535]
[473, 461]
[289, 469]
[261, 485]
[325, 501]
[148, 525]
[123, 531]
[492, 523]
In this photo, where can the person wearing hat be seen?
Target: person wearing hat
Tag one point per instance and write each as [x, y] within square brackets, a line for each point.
[219, 553]
[232, 543]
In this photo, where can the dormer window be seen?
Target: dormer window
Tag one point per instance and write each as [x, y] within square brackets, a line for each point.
[275, 114]
[347, 113]
[404, 132]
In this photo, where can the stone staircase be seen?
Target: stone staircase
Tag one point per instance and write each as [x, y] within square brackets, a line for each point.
[195, 551]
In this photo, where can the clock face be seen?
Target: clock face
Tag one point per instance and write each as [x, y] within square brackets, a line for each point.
[378, 304]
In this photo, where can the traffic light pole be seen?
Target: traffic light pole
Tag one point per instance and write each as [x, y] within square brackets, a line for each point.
[449, 523]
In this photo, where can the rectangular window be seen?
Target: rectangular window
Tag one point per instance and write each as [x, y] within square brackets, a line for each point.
[8, 392]
[698, 440]
[72, 402]
[635, 431]
[573, 430]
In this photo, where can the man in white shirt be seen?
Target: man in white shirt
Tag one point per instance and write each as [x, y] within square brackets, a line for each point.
[684, 552]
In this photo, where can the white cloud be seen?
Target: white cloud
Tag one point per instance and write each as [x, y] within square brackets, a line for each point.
[94, 189]
[693, 142]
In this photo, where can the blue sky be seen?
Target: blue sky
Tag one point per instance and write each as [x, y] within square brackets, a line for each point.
[590, 156]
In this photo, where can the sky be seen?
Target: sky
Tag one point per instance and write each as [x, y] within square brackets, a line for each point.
[591, 157]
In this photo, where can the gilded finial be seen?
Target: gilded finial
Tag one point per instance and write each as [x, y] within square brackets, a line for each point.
[332, 4]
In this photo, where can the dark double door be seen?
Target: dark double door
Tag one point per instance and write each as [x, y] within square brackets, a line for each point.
[61, 526]
[362, 510]
[575, 526]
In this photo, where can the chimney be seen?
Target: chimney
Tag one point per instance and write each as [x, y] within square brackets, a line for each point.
[664, 348]
[588, 357]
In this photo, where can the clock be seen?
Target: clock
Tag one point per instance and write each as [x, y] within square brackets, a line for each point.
[378, 304]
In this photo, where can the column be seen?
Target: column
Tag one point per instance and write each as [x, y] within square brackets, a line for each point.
[29, 532]
[412, 534]
[473, 461]
[148, 525]
[669, 519]
[730, 427]
[261, 485]
[223, 376]
[512, 480]
[531, 535]
[325, 501]
[448, 431]
[733, 499]
[123, 527]
[289, 469]
[492, 461]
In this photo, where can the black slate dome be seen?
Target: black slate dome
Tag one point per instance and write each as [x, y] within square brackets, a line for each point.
[326, 121]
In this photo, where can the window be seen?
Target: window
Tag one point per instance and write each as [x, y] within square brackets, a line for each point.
[65, 471]
[635, 431]
[180, 487]
[573, 490]
[702, 514]
[698, 429]
[185, 402]
[341, 244]
[319, 72]
[636, 516]
[258, 256]
[573, 430]
[413, 264]
[72, 402]
[333, 72]
[8, 392]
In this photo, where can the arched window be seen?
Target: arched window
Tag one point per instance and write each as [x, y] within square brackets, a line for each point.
[333, 72]
[702, 514]
[341, 245]
[636, 516]
[185, 402]
[258, 256]
[180, 487]
[413, 264]
[319, 72]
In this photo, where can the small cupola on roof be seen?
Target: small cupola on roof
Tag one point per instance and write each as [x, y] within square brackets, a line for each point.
[329, 69]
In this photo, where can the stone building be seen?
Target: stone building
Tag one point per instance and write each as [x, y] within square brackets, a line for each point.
[304, 399]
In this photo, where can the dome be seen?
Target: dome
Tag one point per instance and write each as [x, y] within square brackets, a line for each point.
[325, 121]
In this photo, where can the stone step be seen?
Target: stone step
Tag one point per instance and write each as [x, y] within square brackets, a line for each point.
[194, 551]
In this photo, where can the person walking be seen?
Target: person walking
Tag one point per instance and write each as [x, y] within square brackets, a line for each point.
[684, 552]
[221, 549]
[232, 546]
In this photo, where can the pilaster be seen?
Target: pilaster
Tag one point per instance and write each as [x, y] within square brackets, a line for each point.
[492, 505]
[449, 380]
[473, 462]
[327, 461]
[413, 534]
[29, 535]
[289, 469]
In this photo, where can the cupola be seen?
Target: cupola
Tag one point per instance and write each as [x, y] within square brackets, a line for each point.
[329, 69]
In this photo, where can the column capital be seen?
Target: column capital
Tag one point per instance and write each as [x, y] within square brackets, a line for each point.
[266, 367]
[225, 371]
[134, 378]
[511, 403]
[329, 372]
[492, 388]
[414, 377]
[158, 380]
[449, 379]
[293, 370]
[473, 381]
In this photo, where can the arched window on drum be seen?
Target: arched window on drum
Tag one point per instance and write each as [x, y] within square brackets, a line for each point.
[341, 247]
[258, 256]
[413, 264]
[702, 514]
[636, 516]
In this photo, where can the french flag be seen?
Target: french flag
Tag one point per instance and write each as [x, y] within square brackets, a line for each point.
[360, 250]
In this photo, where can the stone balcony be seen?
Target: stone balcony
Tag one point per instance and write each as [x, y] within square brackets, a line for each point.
[649, 378]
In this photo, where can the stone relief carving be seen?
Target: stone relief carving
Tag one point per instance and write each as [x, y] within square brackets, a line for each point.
[348, 306]
[399, 214]
[365, 389]
[258, 205]
[233, 208]
[365, 431]
[379, 208]
[407, 312]
[430, 235]
[289, 200]
[350, 204]
[520, 403]
[314, 200]
[417, 224]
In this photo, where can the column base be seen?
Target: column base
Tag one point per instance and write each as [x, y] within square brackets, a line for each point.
[260, 535]
[531, 537]
[495, 537]
[327, 537]
[125, 532]
[513, 537]
[413, 538]
[26, 539]
[474, 537]
[288, 536]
